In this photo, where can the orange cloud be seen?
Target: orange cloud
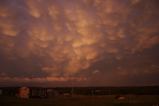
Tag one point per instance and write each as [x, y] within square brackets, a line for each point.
[69, 37]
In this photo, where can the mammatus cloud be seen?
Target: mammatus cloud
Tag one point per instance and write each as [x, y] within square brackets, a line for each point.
[67, 37]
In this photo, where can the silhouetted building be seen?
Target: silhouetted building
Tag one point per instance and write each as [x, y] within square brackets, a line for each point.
[37, 92]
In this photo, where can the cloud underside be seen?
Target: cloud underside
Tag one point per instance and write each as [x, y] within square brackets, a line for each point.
[66, 38]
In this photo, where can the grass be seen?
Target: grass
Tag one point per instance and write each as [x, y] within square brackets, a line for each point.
[109, 100]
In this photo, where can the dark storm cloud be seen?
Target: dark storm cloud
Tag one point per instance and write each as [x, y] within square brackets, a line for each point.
[89, 41]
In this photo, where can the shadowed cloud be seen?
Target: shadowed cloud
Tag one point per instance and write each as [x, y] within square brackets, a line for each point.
[85, 40]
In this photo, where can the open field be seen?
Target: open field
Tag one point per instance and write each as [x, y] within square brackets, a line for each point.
[109, 100]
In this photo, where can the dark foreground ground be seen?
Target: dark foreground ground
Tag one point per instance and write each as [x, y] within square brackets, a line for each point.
[109, 100]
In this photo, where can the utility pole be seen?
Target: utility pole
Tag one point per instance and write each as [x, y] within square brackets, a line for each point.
[72, 89]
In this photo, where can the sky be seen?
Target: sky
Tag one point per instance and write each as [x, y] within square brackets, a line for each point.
[79, 42]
